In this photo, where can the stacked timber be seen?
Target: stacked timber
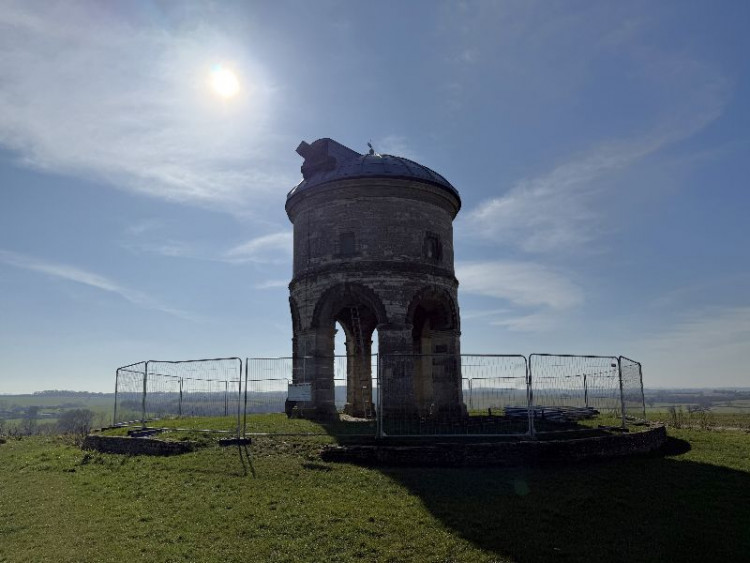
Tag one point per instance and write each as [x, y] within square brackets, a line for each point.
[553, 414]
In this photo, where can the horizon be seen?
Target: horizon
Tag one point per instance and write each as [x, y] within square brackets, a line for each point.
[645, 388]
[147, 148]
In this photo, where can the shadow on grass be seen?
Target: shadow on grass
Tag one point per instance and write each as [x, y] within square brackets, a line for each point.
[656, 508]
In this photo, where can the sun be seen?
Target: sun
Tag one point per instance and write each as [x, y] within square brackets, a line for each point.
[224, 82]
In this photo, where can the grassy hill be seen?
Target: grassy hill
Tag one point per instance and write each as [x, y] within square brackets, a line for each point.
[58, 503]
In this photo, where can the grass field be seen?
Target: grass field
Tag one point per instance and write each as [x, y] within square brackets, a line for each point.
[60, 504]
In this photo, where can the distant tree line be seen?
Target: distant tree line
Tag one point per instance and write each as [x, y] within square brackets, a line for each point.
[75, 423]
[68, 393]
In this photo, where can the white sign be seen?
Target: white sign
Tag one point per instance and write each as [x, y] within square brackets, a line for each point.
[300, 392]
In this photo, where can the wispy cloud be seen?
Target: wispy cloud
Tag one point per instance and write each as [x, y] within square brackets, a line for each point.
[715, 329]
[470, 315]
[548, 56]
[537, 297]
[566, 208]
[542, 321]
[275, 248]
[141, 227]
[170, 248]
[272, 284]
[397, 145]
[84, 277]
[91, 93]
[524, 284]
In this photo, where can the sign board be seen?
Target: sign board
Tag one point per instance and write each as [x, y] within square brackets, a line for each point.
[300, 392]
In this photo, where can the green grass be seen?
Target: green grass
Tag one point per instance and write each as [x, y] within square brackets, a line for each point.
[276, 423]
[60, 504]
[711, 419]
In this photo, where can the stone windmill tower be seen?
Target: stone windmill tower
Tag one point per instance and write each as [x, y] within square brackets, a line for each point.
[373, 249]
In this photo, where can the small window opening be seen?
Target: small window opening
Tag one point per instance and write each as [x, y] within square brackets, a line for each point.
[433, 249]
[346, 244]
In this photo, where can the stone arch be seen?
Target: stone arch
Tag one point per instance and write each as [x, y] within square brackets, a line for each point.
[433, 315]
[344, 295]
[438, 304]
[359, 310]
[296, 322]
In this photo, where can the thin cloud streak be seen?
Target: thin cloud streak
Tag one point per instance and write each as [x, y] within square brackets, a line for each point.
[170, 248]
[275, 248]
[71, 273]
[471, 315]
[272, 284]
[536, 322]
[562, 209]
[714, 329]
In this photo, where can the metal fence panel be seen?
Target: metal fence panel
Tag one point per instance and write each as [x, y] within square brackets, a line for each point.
[153, 390]
[206, 387]
[567, 389]
[633, 401]
[267, 384]
[268, 379]
[446, 394]
[129, 393]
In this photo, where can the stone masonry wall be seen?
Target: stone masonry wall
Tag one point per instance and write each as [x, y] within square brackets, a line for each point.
[458, 454]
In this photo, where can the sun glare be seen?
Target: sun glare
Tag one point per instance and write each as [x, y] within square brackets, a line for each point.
[224, 82]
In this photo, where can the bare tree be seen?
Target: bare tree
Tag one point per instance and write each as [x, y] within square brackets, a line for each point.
[29, 424]
[76, 422]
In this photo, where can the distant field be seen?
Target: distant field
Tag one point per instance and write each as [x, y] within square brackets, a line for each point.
[103, 401]
[689, 504]
[14, 409]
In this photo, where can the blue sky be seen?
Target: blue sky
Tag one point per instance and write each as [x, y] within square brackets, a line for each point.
[600, 148]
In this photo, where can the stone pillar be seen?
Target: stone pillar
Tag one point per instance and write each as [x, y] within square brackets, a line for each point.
[396, 365]
[359, 379]
[446, 376]
[313, 363]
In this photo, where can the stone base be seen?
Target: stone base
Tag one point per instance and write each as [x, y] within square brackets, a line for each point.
[136, 446]
[323, 413]
[359, 411]
[460, 453]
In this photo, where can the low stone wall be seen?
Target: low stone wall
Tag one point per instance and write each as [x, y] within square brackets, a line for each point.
[457, 454]
[135, 446]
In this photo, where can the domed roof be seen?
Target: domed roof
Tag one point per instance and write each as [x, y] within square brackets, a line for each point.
[327, 160]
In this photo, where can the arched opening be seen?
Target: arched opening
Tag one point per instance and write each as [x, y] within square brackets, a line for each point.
[435, 342]
[345, 319]
[353, 364]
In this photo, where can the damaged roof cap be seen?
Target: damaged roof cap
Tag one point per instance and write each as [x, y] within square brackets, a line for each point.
[327, 161]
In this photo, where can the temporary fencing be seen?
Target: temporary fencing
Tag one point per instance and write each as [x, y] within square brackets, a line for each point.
[570, 386]
[153, 390]
[129, 393]
[633, 400]
[412, 395]
[268, 380]
[432, 394]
